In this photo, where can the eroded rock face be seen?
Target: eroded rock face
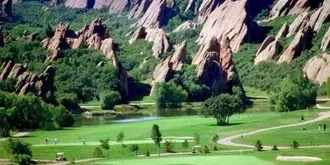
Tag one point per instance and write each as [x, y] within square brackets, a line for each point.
[158, 36]
[139, 8]
[215, 67]
[28, 81]
[297, 45]
[225, 21]
[184, 26]
[326, 41]
[164, 70]
[206, 8]
[299, 23]
[96, 36]
[155, 15]
[320, 16]
[78, 4]
[292, 7]
[318, 68]
[268, 50]
[192, 6]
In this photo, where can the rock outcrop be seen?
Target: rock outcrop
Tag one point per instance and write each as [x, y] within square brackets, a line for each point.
[78, 4]
[27, 81]
[155, 16]
[320, 16]
[299, 23]
[225, 21]
[164, 70]
[184, 26]
[96, 36]
[215, 67]
[139, 8]
[318, 68]
[292, 7]
[192, 6]
[268, 50]
[326, 41]
[297, 45]
[158, 36]
[206, 8]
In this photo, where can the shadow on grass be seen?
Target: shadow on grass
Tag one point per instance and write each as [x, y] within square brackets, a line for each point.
[225, 125]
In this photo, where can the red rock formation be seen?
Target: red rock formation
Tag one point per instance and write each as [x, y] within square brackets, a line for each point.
[27, 81]
[326, 41]
[159, 38]
[192, 6]
[290, 7]
[155, 15]
[318, 68]
[268, 50]
[297, 45]
[76, 3]
[172, 63]
[320, 16]
[225, 21]
[184, 26]
[206, 8]
[299, 23]
[139, 8]
[96, 36]
[214, 65]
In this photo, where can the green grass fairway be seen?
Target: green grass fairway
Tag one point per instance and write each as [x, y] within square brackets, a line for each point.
[285, 136]
[191, 160]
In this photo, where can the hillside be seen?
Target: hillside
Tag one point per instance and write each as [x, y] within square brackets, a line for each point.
[203, 47]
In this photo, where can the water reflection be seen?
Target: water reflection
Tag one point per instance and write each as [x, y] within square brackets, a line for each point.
[153, 114]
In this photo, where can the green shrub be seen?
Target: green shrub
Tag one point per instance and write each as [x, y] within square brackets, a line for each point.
[170, 95]
[295, 144]
[169, 146]
[206, 150]
[215, 148]
[63, 117]
[185, 144]
[50, 125]
[109, 99]
[22, 159]
[258, 146]
[134, 148]
[274, 148]
[147, 153]
[97, 152]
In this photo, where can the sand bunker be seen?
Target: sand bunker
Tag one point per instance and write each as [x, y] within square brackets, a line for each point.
[298, 158]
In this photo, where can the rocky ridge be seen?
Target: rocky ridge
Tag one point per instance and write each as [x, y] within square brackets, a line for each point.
[96, 36]
[27, 81]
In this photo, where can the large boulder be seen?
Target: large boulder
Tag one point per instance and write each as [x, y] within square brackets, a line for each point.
[139, 8]
[215, 67]
[225, 21]
[292, 7]
[297, 45]
[268, 50]
[318, 68]
[155, 16]
[207, 8]
[27, 81]
[326, 41]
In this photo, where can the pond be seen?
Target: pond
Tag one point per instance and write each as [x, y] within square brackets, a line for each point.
[111, 118]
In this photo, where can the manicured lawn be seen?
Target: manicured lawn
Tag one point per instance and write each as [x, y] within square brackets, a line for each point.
[326, 104]
[184, 126]
[190, 160]
[250, 91]
[284, 137]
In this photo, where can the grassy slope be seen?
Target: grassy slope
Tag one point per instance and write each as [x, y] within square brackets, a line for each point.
[285, 137]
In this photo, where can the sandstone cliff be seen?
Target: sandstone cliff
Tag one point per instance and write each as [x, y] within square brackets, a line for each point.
[215, 67]
[27, 81]
[159, 37]
[155, 16]
[225, 21]
[139, 8]
[206, 8]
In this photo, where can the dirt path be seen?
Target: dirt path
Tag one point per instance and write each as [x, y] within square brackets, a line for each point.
[229, 140]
